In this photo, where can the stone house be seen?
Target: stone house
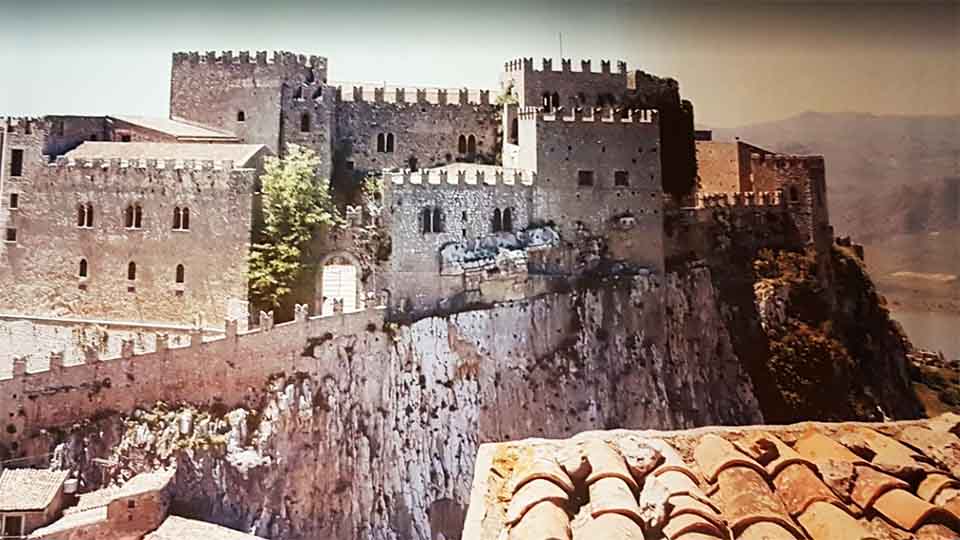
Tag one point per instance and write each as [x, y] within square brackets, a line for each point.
[30, 499]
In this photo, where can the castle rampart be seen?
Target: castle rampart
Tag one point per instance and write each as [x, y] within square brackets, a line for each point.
[215, 371]
[550, 88]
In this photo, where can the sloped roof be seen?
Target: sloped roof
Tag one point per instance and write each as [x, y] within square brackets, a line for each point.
[178, 528]
[240, 154]
[29, 489]
[176, 128]
[819, 481]
[76, 520]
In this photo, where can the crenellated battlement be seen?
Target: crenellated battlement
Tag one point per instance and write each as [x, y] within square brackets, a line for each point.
[23, 125]
[460, 178]
[412, 95]
[601, 115]
[261, 58]
[566, 66]
[782, 161]
[747, 199]
[66, 163]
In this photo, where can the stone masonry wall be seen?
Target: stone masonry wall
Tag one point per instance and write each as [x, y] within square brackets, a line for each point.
[574, 88]
[40, 274]
[467, 209]
[802, 181]
[423, 131]
[212, 89]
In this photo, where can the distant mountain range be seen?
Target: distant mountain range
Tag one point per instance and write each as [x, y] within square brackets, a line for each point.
[886, 175]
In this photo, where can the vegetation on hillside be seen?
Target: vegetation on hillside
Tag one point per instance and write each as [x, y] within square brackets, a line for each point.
[295, 202]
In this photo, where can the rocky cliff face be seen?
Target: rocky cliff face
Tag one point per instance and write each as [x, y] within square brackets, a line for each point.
[379, 440]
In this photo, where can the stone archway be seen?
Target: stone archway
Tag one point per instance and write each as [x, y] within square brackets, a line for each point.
[338, 279]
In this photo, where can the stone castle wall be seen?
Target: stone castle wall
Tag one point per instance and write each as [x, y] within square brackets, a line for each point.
[212, 89]
[425, 132]
[574, 88]
[219, 370]
[40, 274]
[802, 181]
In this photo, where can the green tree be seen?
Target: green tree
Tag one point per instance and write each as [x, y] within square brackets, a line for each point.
[295, 202]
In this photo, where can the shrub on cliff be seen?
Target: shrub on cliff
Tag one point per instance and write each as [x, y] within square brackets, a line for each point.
[295, 202]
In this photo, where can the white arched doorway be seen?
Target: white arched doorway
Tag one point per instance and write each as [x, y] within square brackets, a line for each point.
[339, 281]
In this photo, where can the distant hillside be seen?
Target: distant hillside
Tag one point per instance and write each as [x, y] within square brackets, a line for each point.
[885, 174]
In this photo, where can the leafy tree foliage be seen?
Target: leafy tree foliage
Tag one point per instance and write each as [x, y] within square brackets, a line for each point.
[295, 202]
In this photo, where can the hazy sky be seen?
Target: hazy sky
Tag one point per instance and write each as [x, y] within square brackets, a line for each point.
[739, 62]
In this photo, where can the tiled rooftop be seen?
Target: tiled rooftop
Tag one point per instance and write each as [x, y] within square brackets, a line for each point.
[809, 481]
[178, 528]
[240, 154]
[29, 489]
[176, 128]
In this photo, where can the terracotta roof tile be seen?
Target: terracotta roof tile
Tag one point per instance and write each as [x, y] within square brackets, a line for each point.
[613, 526]
[819, 447]
[531, 494]
[29, 489]
[825, 521]
[745, 499]
[671, 460]
[612, 494]
[714, 454]
[684, 504]
[573, 459]
[765, 530]
[871, 484]
[679, 483]
[933, 484]
[949, 498]
[935, 532]
[685, 524]
[770, 451]
[839, 476]
[606, 462]
[943, 446]
[641, 458]
[799, 487]
[697, 536]
[178, 528]
[541, 467]
[545, 521]
[909, 511]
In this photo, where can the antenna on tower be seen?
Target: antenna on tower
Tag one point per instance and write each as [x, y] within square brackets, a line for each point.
[561, 45]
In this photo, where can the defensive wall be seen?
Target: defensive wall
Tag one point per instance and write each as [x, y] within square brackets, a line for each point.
[461, 203]
[583, 88]
[241, 93]
[223, 371]
[396, 127]
[33, 338]
[98, 237]
[802, 179]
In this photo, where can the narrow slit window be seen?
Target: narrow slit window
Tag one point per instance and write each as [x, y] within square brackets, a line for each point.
[180, 274]
[462, 145]
[128, 217]
[137, 217]
[507, 225]
[381, 142]
[437, 220]
[305, 123]
[471, 145]
[81, 215]
[185, 219]
[176, 218]
[425, 221]
[16, 162]
[83, 268]
[132, 271]
[389, 142]
[14, 201]
[497, 220]
[89, 216]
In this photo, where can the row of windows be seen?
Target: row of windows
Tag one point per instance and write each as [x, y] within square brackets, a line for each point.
[133, 217]
[586, 178]
[431, 220]
[551, 101]
[179, 272]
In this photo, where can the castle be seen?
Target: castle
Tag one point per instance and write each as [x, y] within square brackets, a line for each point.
[563, 173]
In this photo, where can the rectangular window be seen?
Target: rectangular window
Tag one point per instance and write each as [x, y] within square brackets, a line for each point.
[12, 526]
[584, 178]
[621, 178]
[16, 162]
[125, 137]
[11, 235]
[14, 201]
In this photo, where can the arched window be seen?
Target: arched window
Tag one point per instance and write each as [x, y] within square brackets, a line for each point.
[389, 142]
[426, 225]
[89, 222]
[132, 271]
[514, 131]
[185, 219]
[507, 220]
[176, 218]
[305, 123]
[128, 217]
[81, 215]
[180, 273]
[437, 220]
[471, 145]
[137, 216]
[497, 220]
[381, 142]
[241, 116]
[462, 145]
[555, 100]
[83, 268]
[794, 194]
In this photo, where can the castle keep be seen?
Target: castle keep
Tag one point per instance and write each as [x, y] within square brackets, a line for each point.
[560, 174]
